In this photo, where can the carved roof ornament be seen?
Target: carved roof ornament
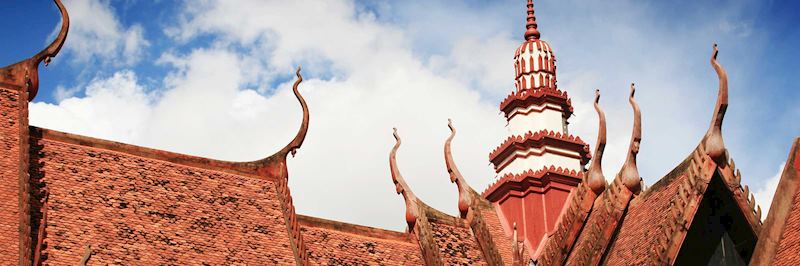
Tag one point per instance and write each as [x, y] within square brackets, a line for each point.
[629, 174]
[25, 73]
[532, 30]
[594, 177]
[713, 144]
[465, 192]
[87, 254]
[516, 247]
[301, 133]
[401, 186]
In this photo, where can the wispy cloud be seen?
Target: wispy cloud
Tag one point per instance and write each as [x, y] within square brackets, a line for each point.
[97, 36]
[764, 194]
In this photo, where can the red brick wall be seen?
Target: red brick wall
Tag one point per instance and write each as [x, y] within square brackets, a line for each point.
[135, 210]
[13, 178]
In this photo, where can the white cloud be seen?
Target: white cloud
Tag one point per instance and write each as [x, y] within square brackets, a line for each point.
[96, 35]
[115, 108]
[215, 102]
[764, 194]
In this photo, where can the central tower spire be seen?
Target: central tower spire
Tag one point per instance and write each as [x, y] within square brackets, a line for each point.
[540, 163]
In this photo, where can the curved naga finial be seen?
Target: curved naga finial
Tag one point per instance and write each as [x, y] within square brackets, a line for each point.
[629, 174]
[26, 73]
[594, 178]
[401, 186]
[532, 30]
[516, 247]
[465, 192]
[52, 50]
[713, 144]
[301, 133]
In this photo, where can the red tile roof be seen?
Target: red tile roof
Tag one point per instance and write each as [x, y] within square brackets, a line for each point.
[331, 242]
[779, 241]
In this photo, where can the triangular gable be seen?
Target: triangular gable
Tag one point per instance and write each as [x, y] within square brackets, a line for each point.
[657, 221]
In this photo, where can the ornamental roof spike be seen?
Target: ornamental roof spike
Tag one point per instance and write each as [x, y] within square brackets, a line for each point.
[301, 133]
[629, 174]
[26, 72]
[532, 29]
[465, 192]
[712, 142]
[401, 186]
[594, 177]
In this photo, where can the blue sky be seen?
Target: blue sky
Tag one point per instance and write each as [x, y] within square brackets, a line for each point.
[212, 78]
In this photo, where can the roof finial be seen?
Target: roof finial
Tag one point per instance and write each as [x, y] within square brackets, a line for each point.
[465, 192]
[629, 174]
[26, 73]
[401, 186]
[516, 247]
[301, 133]
[713, 144]
[594, 178]
[532, 30]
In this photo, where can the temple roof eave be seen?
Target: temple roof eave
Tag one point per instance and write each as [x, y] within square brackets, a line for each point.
[540, 139]
[527, 97]
[545, 176]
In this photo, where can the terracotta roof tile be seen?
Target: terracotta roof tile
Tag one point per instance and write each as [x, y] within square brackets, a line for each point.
[783, 219]
[788, 252]
[503, 243]
[331, 242]
[635, 240]
[604, 219]
[456, 244]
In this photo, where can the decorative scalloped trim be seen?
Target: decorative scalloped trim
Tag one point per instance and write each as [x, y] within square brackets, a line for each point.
[538, 136]
[557, 96]
[538, 174]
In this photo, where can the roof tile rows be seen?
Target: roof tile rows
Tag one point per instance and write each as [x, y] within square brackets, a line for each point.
[779, 240]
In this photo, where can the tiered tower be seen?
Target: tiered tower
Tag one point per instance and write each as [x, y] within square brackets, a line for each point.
[540, 163]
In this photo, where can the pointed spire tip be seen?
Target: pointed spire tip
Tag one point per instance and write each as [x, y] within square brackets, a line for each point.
[532, 29]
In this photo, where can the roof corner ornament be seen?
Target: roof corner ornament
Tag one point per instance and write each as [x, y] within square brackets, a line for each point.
[26, 73]
[532, 29]
[401, 187]
[301, 133]
[629, 174]
[712, 142]
[87, 254]
[465, 192]
[594, 177]
[516, 248]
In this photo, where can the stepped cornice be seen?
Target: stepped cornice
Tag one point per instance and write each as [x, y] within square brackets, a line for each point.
[537, 95]
[541, 138]
[544, 176]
